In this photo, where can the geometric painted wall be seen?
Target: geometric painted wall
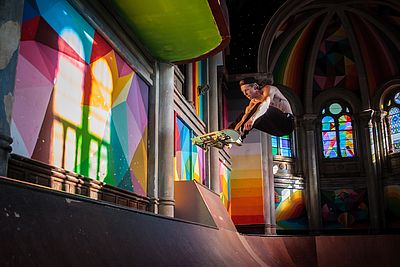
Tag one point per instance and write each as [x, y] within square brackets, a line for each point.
[392, 205]
[335, 65]
[189, 159]
[247, 198]
[78, 105]
[290, 209]
[225, 185]
[199, 76]
[345, 209]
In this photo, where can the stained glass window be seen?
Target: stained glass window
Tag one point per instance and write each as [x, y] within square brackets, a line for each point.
[337, 131]
[282, 145]
[393, 109]
[189, 159]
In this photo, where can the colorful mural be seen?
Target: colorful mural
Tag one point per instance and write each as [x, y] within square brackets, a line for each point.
[289, 68]
[380, 66]
[189, 159]
[344, 208]
[392, 205]
[78, 104]
[199, 78]
[247, 203]
[225, 185]
[290, 209]
[335, 66]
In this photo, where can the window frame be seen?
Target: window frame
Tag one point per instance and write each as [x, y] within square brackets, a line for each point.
[388, 133]
[278, 147]
[345, 105]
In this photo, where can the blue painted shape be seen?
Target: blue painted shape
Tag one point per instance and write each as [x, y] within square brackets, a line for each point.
[126, 182]
[120, 126]
[119, 141]
[69, 24]
[30, 10]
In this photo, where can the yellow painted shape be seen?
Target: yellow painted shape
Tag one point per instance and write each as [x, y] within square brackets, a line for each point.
[139, 161]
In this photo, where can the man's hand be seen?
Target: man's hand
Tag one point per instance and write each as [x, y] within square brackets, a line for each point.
[249, 124]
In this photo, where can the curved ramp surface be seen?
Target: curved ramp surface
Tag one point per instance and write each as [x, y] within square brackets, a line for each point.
[43, 227]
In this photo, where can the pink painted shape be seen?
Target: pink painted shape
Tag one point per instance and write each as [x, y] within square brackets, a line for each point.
[338, 79]
[134, 133]
[135, 104]
[123, 68]
[321, 81]
[32, 94]
[322, 48]
[43, 57]
[137, 187]
[31, 52]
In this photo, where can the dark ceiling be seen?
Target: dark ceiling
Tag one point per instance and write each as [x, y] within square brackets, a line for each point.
[247, 19]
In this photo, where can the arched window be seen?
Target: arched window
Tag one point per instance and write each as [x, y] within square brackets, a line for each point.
[282, 145]
[337, 131]
[393, 109]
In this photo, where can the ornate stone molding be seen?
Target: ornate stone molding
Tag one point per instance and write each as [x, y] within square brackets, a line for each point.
[365, 118]
[309, 122]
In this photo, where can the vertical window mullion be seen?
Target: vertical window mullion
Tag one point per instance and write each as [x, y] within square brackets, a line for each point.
[339, 152]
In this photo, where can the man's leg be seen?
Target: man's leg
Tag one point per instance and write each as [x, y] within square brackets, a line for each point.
[275, 122]
[263, 108]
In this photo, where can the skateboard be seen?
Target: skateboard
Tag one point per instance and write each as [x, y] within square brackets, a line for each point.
[218, 139]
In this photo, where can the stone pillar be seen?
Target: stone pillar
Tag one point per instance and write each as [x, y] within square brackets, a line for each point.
[166, 140]
[380, 117]
[10, 33]
[311, 173]
[154, 103]
[189, 83]
[299, 148]
[268, 184]
[380, 142]
[368, 157]
[213, 123]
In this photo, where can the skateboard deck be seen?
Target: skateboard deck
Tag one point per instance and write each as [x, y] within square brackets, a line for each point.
[218, 139]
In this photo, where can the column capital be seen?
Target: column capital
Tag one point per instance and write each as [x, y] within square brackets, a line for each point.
[380, 115]
[309, 121]
[365, 118]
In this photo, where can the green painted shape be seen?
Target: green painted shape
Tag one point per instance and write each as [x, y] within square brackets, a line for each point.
[172, 30]
[281, 64]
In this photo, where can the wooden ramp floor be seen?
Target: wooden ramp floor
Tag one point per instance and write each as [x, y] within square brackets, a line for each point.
[43, 227]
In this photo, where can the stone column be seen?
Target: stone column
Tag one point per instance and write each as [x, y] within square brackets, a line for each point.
[10, 33]
[213, 123]
[380, 117]
[375, 212]
[154, 103]
[311, 173]
[166, 140]
[268, 184]
[380, 142]
[299, 148]
[189, 83]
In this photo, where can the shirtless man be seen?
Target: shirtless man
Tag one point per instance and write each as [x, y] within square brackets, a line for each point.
[268, 110]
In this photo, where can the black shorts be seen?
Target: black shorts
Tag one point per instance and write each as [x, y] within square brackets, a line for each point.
[275, 122]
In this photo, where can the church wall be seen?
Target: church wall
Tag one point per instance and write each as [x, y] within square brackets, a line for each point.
[78, 104]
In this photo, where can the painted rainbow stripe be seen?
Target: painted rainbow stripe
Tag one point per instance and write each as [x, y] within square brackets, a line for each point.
[246, 185]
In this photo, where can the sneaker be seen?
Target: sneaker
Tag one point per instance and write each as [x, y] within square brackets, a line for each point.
[239, 142]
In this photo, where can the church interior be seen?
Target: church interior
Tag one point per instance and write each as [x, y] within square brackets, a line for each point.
[101, 100]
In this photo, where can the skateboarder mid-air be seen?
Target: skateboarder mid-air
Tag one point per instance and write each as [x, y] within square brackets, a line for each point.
[268, 110]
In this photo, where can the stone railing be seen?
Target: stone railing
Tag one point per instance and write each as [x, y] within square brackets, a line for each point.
[36, 172]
